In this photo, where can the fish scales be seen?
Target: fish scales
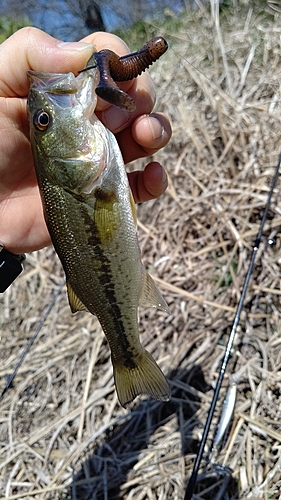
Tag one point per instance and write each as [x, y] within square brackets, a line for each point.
[90, 215]
[81, 247]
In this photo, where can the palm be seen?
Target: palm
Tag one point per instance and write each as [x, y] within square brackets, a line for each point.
[22, 225]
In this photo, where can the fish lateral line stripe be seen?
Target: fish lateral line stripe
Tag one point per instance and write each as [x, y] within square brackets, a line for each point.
[106, 280]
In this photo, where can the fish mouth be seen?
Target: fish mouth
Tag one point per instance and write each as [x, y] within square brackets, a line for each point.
[55, 83]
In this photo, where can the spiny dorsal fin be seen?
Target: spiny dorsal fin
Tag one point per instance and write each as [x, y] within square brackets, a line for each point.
[150, 295]
[74, 301]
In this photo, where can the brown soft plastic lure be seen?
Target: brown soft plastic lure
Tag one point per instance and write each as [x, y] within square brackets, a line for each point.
[114, 68]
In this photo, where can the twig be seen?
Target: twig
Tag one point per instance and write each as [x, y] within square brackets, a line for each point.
[10, 378]
[193, 477]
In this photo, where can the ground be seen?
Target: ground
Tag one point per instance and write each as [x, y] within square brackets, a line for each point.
[63, 433]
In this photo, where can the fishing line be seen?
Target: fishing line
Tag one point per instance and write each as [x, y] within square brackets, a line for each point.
[10, 378]
[193, 477]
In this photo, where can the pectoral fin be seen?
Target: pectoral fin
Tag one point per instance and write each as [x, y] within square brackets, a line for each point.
[150, 295]
[74, 301]
[106, 216]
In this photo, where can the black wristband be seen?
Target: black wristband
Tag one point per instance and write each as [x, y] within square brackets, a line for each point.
[10, 267]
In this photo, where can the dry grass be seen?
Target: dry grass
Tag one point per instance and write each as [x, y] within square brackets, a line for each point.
[61, 424]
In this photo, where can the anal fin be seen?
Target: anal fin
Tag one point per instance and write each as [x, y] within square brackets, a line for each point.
[74, 301]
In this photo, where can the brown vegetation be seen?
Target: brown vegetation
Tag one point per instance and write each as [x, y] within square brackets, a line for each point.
[61, 424]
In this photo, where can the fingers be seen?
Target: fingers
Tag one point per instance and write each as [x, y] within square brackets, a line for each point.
[103, 40]
[148, 134]
[32, 49]
[142, 92]
[141, 89]
[152, 132]
[140, 133]
[149, 183]
[23, 228]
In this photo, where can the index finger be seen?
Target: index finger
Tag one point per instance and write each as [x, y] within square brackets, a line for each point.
[33, 49]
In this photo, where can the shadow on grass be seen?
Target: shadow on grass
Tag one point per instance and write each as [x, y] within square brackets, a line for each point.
[108, 465]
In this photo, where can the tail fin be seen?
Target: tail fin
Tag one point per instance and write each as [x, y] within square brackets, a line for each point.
[145, 378]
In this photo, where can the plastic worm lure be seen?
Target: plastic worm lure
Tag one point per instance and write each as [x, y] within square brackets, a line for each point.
[114, 68]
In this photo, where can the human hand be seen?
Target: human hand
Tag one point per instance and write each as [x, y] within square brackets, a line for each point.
[22, 225]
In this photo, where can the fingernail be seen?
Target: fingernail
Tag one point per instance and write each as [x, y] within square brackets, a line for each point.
[116, 119]
[156, 128]
[80, 46]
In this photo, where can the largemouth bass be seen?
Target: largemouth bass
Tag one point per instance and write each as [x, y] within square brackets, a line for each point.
[91, 217]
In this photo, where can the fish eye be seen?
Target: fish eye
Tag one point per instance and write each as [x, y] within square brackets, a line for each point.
[42, 120]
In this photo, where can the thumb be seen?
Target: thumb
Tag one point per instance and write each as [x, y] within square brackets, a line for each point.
[33, 49]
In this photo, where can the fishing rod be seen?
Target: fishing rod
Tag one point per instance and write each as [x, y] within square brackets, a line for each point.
[192, 480]
[10, 378]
